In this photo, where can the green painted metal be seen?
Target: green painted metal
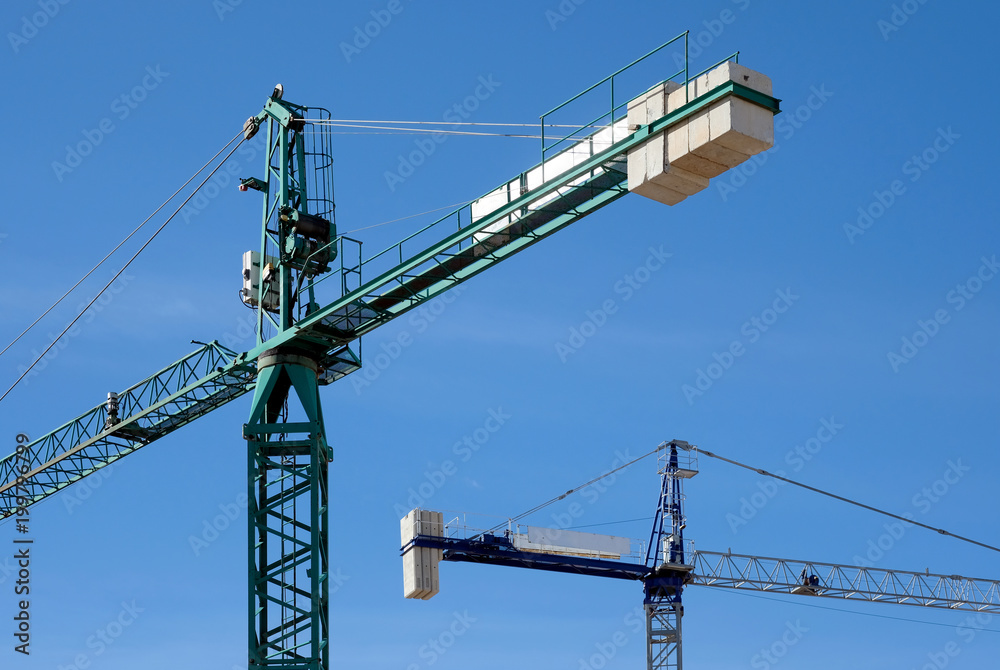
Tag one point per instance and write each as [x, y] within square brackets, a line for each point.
[468, 251]
[156, 406]
[288, 566]
[610, 79]
[306, 346]
[288, 594]
[400, 286]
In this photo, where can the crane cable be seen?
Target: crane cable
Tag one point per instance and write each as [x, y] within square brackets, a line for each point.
[845, 611]
[848, 500]
[410, 130]
[572, 491]
[119, 246]
[759, 471]
[453, 123]
[124, 267]
[403, 218]
[402, 130]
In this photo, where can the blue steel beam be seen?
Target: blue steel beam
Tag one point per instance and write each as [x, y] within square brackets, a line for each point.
[498, 550]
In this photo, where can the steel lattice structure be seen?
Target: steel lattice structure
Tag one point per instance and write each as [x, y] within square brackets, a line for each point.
[668, 568]
[305, 342]
[846, 582]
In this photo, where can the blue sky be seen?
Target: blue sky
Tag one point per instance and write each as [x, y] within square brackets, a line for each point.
[873, 127]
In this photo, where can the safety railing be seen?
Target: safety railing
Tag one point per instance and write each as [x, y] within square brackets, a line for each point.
[610, 86]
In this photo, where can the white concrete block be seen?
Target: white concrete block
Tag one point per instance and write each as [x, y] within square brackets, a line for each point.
[679, 154]
[741, 126]
[730, 71]
[681, 181]
[702, 84]
[648, 161]
[656, 155]
[636, 165]
[658, 193]
[730, 131]
[420, 564]
[636, 114]
[700, 141]
[677, 98]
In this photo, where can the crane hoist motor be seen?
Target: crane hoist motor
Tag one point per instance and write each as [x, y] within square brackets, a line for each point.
[308, 244]
[309, 247]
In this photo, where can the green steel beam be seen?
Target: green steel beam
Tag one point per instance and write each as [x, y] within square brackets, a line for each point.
[156, 406]
[288, 526]
[190, 388]
[460, 255]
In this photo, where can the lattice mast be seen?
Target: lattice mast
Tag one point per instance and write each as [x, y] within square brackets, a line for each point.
[288, 587]
[665, 559]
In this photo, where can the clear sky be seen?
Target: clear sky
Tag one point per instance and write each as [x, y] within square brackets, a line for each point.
[871, 215]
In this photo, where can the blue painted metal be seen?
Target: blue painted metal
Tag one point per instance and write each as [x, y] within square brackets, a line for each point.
[669, 571]
[499, 550]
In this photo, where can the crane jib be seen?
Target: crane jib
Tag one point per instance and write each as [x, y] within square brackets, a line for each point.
[82, 446]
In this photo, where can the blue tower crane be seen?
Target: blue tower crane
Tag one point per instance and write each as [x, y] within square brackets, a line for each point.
[669, 565]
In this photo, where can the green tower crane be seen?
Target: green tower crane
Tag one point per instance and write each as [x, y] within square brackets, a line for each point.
[304, 342]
